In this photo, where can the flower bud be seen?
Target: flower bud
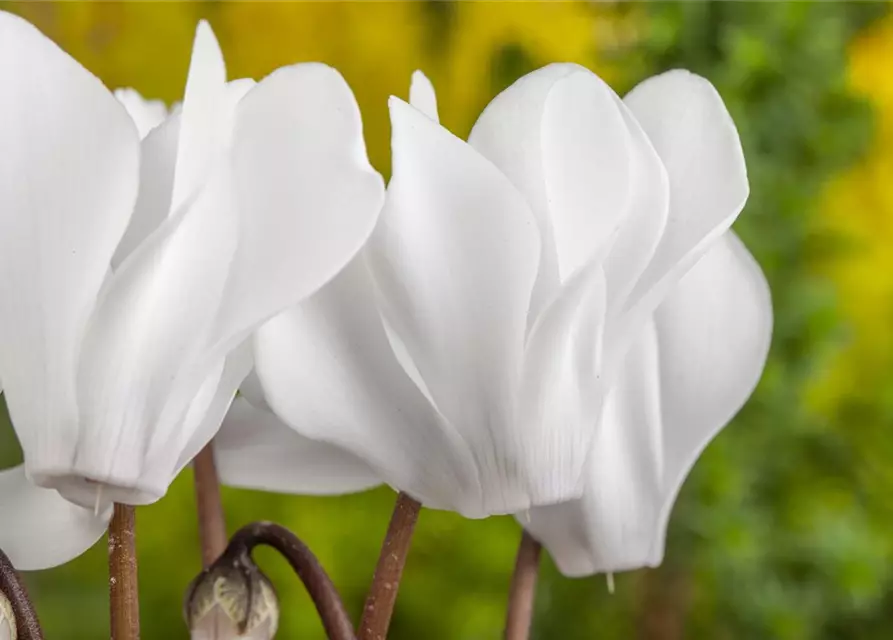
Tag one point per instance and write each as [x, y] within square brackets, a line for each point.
[7, 620]
[231, 599]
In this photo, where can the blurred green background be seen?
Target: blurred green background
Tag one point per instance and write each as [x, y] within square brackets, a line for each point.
[785, 527]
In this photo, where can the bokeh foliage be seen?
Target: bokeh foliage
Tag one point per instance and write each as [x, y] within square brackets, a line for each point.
[784, 529]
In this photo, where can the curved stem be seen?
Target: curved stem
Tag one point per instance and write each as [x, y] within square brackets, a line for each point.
[211, 521]
[317, 582]
[386, 581]
[124, 602]
[27, 624]
[523, 590]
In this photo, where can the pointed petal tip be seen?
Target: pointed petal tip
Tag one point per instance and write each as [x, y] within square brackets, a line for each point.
[146, 114]
[396, 103]
[404, 119]
[422, 95]
[203, 30]
[206, 46]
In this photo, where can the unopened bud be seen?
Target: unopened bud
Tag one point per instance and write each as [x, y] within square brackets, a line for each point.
[231, 599]
[7, 620]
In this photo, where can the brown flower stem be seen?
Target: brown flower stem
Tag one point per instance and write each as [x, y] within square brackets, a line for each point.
[11, 586]
[386, 580]
[123, 586]
[666, 600]
[317, 582]
[523, 590]
[211, 521]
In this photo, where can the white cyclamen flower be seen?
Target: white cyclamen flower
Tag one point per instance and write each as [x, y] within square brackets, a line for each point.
[693, 362]
[465, 355]
[687, 375]
[131, 273]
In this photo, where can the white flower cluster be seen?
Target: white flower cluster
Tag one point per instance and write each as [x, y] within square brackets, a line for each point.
[550, 319]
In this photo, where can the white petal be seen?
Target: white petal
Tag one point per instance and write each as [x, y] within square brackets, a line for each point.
[68, 182]
[252, 390]
[146, 114]
[561, 395]
[308, 196]
[206, 411]
[563, 137]
[454, 257]
[686, 377]
[587, 159]
[158, 162]
[509, 134]
[39, 528]
[328, 371]
[422, 95]
[714, 333]
[150, 324]
[613, 526]
[158, 158]
[203, 118]
[256, 450]
[644, 220]
[633, 248]
[696, 139]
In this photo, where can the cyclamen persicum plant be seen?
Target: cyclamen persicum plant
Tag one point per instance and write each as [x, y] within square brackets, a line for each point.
[550, 319]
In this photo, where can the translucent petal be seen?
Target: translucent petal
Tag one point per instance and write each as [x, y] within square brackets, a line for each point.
[146, 114]
[561, 392]
[40, 529]
[159, 161]
[207, 409]
[149, 326]
[203, 118]
[509, 134]
[68, 182]
[714, 333]
[256, 450]
[693, 133]
[454, 258]
[565, 140]
[328, 371]
[587, 158]
[158, 158]
[422, 95]
[613, 526]
[307, 194]
[688, 374]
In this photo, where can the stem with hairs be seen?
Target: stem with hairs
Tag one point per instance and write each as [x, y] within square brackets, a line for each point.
[11, 586]
[386, 580]
[123, 586]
